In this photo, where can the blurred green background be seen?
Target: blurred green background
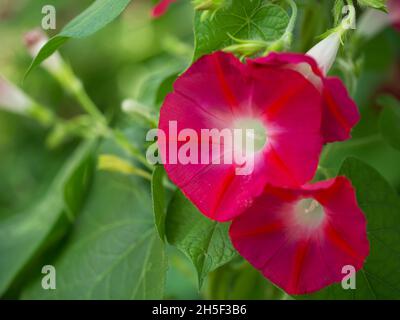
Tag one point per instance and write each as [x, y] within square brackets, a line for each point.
[118, 63]
[113, 65]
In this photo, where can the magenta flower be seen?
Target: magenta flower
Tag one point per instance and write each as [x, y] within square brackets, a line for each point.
[394, 12]
[219, 92]
[161, 8]
[339, 112]
[302, 238]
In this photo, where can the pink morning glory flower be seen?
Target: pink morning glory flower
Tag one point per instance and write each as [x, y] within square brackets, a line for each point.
[394, 12]
[339, 111]
[302, 239]
[219, 92]
[161, 8]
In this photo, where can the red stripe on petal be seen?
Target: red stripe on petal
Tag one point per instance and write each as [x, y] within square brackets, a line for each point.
[282, 166]
[222, 190]
[331, 104]
[274, 108]
[282, 194]
[340, 243]
[226, 90]
[273, 227]
[298, 265]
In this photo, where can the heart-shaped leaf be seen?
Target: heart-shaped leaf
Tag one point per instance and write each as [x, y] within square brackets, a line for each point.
[243, 19]
[204, 241]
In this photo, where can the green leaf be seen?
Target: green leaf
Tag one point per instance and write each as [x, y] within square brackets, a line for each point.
[249, 20]
[377, 4]
[205, 242]
[95, 17]
[158, 197]
[239, 280]
[337, 10]
[22, 234]
[155, 85]
[114, 251]
[390, 121]
[380, 277]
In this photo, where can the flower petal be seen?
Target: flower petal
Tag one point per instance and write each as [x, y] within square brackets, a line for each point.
[12, 98]
[339, 111]
[284, 58]
[300, 252]
[161, 8]
[214, 93]
[394, 13]
[217, 82]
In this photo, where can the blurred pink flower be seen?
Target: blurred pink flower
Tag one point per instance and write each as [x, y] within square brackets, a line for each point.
[394, 12]
[12, 98]
[34, 41]
[161, 8]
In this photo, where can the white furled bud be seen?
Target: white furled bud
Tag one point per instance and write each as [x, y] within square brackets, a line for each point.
[13, 99]
[325, 51]
[372, 22]
[34, 41]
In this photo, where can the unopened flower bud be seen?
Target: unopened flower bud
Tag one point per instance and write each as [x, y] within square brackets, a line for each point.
[55, 65]
[12, 98]
[325, 51]
[161, 8]
[246, 48]
[372, 22]
[34, 41]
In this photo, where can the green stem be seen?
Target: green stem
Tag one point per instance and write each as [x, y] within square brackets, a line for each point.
[71, 83]
[88, 104]
[292, 21]
[117, 135]
[135, 108]
[126, 145]
[325, 153]
[67, 79]
[143, 174]
[285, 41]
[285, 296]
[105, 130]
[43, 115]
[360, 142]
[324, 171]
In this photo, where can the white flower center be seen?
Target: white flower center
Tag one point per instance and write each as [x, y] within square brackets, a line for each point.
[249, 134]
[309, 213]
